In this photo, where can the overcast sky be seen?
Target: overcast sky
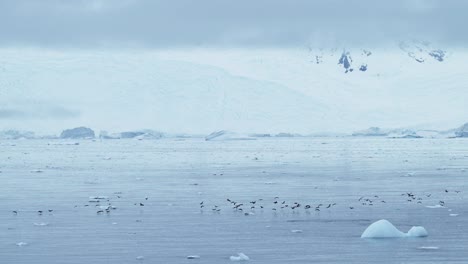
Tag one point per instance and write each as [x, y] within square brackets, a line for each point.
[276, 23]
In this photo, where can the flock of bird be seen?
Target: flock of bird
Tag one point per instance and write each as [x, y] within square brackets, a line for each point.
[279, 204]
[103, 204]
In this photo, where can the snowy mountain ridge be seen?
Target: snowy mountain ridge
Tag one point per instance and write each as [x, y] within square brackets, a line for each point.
[198, 91]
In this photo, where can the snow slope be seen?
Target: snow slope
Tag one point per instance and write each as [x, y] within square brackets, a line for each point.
[248, 91]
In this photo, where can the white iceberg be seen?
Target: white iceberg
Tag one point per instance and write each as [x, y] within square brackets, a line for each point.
[385, 229]
[227, 135]
[41, 224]
[428, 248]
[371, 132]
[77, 133]
[434, 206]
[296, 231]
[417, 231]
[239, 257]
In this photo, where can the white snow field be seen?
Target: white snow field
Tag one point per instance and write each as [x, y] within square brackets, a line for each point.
[199, 91]
[162, 201]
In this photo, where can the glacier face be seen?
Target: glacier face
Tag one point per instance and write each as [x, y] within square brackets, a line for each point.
[250, 91]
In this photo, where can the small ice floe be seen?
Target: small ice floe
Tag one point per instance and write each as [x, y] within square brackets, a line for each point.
[296, 231]
[139, 179]
[239, 257]
[434, 206]
[193, 257]
[428, 248]
[107, 158]
[41, 224]
[385, 229]
[140, 258]
[249, 213]
[114, 223]
[105, 207]
[409, 174]
[21, 244]
[453, 214]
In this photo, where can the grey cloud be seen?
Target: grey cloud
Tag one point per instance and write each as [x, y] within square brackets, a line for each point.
[161, 23]
[37, 112]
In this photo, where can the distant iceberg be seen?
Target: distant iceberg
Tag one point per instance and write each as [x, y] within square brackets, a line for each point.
[77, 133]
[138, 134]
[371, 132]
[283, 134]
[227, 135]
[403, 133]
[462, 131]
[15, 134]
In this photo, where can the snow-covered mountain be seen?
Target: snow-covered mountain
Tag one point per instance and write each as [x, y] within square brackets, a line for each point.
[246, 90]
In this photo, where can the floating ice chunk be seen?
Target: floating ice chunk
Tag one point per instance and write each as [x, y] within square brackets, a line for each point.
[41, 224]
[385, 229]
[417, 231]
[21, 244]
[428, 248]
[193, 257]
[239, 257]
[453, 214]
[434, 206]
[140, 258]
[296, 231]
[382, 229]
